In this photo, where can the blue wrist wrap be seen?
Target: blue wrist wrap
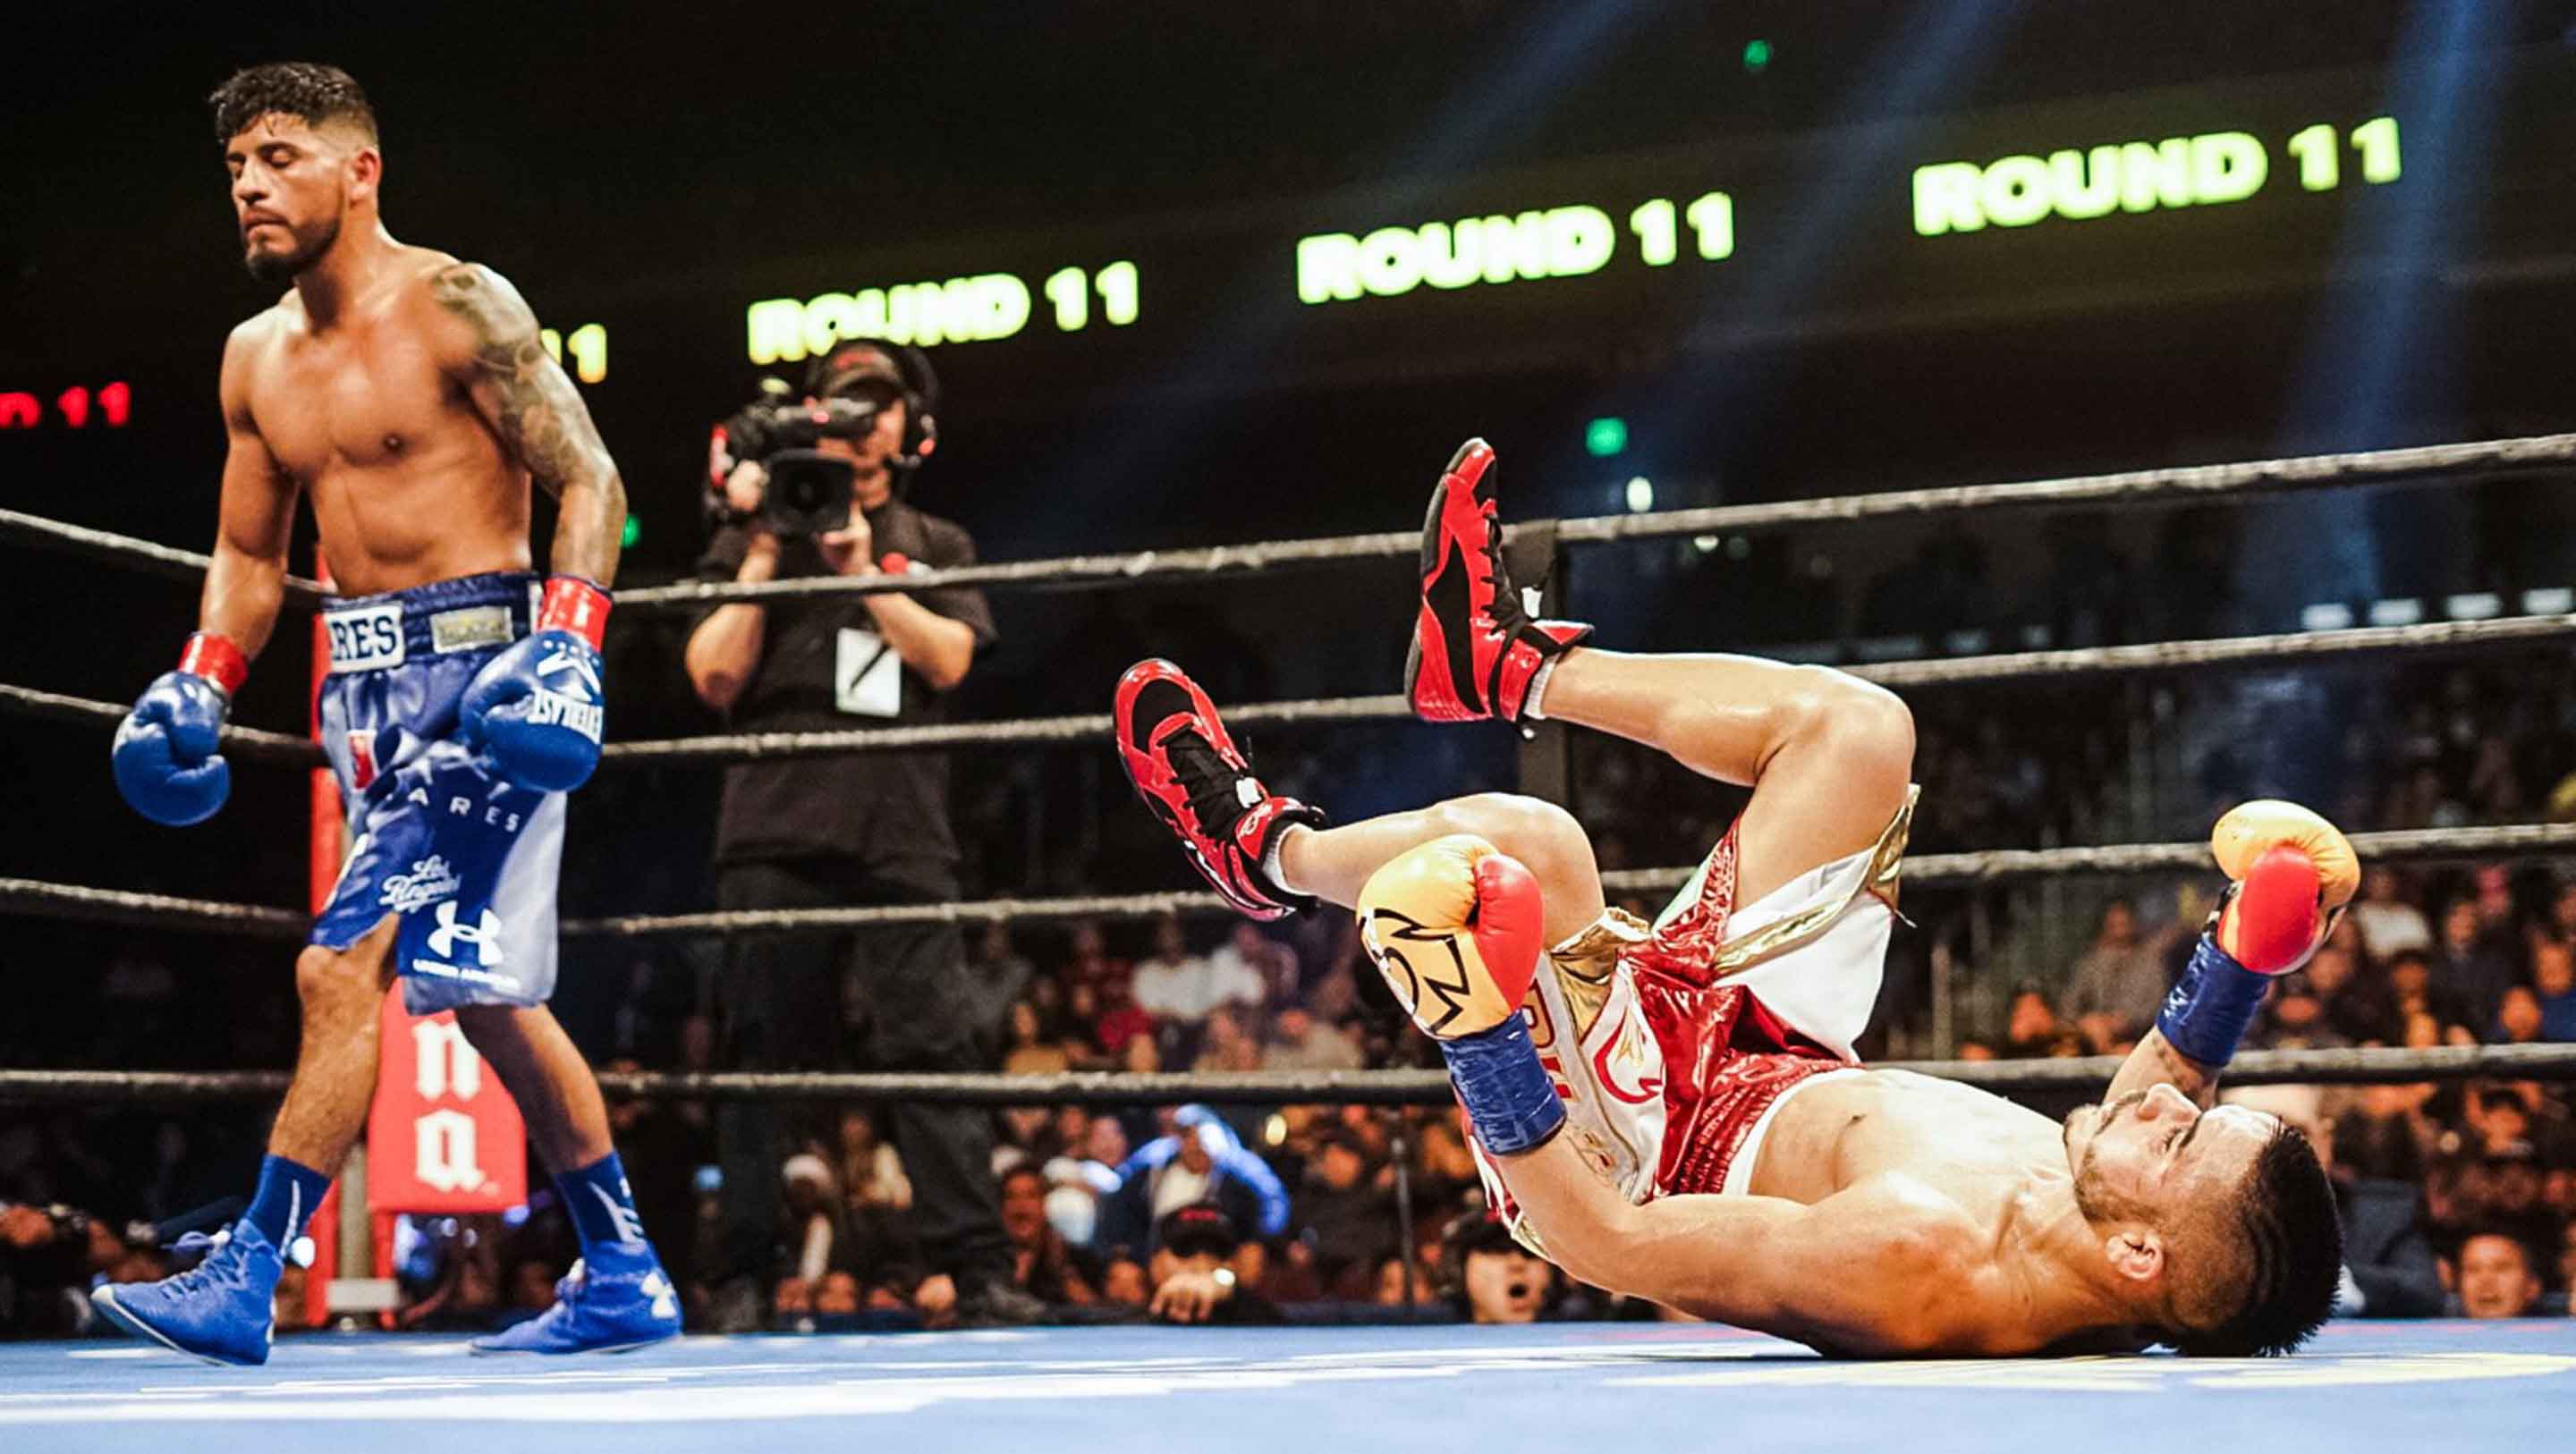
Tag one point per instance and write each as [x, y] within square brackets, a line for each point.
[1506, 1091]
[2210, 1006]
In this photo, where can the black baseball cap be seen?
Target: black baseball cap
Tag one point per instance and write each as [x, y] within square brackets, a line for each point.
[851, 364]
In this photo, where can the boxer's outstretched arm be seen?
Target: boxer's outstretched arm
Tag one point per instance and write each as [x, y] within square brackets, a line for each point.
[1884, 1267]
[247, 580]
[2155, 1063]
[490, 345]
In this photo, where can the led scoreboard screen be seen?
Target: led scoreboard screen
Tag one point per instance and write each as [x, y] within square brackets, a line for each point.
[2022, 210]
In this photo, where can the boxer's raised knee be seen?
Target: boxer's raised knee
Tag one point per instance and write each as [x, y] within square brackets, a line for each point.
[1544, 837]
[1860, 722]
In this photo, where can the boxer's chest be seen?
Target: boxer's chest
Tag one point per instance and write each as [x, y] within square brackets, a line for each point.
[368, 397]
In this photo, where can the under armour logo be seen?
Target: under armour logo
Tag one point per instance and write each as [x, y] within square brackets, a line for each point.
[484, 936]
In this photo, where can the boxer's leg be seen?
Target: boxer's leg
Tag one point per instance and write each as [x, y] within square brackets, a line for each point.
[335, 1069]
[545, 1073]
[1333, 863]
[1829, 757]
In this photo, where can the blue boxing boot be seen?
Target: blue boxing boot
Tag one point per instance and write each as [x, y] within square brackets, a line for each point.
[616, 1299]
[221, 1310]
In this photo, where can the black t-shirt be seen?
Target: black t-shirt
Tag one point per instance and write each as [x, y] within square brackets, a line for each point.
[824, 668]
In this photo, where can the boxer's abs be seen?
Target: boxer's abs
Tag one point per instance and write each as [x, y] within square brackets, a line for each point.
[1975, 1147]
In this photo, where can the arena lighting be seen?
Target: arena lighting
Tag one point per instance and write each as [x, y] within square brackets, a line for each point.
[633, 532]
[2383, 350]
[1757, 57]
[1640, 494]
[1605, 436]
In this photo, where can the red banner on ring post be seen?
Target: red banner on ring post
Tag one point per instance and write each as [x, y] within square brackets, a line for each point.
[443, 1136]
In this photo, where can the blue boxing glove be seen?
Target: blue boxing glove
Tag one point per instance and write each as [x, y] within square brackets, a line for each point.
[539, 708]
[164, 759]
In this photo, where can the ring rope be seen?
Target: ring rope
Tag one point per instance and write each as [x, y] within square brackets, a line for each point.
[253, 743]
[2487, 457]
[2490, 457]
[156, 559]
[2283, 648]
[1931, 870]
[2373, 1066]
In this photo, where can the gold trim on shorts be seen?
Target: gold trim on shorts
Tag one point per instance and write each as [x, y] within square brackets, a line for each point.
[1584, 964]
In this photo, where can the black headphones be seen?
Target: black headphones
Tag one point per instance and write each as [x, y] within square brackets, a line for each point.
[917, 385]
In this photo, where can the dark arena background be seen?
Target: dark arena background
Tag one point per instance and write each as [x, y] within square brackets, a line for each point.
[2172, 402]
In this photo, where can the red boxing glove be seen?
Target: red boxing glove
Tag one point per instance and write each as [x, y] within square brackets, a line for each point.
[2271, 919]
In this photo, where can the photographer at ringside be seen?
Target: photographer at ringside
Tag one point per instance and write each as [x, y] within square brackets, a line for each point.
[818, 488]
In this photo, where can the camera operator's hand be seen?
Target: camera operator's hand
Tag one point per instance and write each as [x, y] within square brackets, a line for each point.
[850, 550]
[743, 487]
[743, 490]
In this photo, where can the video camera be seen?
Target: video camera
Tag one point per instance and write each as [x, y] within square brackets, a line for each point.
[808, 491]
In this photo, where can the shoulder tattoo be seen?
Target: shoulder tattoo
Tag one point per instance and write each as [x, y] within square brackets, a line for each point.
[535, 408]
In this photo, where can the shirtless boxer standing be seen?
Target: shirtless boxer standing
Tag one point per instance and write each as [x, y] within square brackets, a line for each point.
[1673, 1110]
[408, 393]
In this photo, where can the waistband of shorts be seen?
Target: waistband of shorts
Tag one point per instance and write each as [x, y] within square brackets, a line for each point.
[464, 614]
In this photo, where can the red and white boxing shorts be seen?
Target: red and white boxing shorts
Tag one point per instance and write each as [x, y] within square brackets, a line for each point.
[1673, 1043]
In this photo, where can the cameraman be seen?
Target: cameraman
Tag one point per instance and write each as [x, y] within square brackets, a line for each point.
[863, 828]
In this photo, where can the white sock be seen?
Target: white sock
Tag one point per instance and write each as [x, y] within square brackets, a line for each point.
[1271, 866]
[1533, 700]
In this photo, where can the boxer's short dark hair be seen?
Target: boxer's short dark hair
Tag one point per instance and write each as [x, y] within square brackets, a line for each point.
[2285, 1219]
[316, 93]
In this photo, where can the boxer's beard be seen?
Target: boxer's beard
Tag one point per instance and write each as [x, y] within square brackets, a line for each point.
[280, 267]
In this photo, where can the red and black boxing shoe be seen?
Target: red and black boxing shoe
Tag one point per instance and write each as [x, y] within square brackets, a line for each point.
[1475, 647]
[1189, 772]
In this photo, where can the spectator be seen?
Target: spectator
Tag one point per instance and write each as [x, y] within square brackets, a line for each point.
[1343, 1214]
[2388, 923]
[2295, 1019]
[1043, 1264]
[2553, 983]
[1122, 1023]
[2495, 1277]
[2415, 995]
[816, 1229]
[1252, 969]
[1225, 1046]
[1032, 1050]
[1199, 1162]
[998, 964]
[1299, 1041]
[1123, 1280]
[1494, 1279]
[1171, 984]
[2474, 965]
[2033, 1029]
[2518, 1017]
[1197, 1273]
[871, 1169]
[1089, 962]
[2119, 982]
[2356, 1006]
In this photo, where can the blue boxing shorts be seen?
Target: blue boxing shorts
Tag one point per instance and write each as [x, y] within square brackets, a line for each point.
[466, 860]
